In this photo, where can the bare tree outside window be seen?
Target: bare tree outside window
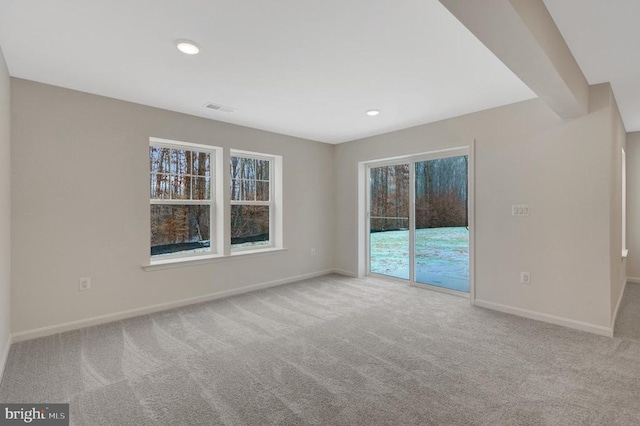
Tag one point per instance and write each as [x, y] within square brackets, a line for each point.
[251, 201]
[181, 199]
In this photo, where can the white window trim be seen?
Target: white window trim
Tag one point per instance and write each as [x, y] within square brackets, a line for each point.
[625, 250]
[177, 262]
[220, 246]
[274, 203]
[213, 202]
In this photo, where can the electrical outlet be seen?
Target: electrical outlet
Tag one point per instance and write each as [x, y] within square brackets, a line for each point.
[84, 284]
[525, 278]
[313, 252]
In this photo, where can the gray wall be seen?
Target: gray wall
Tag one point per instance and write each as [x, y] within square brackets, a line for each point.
[81, 207]
[80, 203]
[5, 211]
[525, 154]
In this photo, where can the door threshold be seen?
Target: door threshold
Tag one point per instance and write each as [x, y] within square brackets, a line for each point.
[388, 277]
[420, 285]
[440, 289]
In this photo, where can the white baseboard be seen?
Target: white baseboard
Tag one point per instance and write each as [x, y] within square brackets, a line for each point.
[552, 319]
[634, 280]
[5, 356]
[615, 312]
[117, 316]
[345, 273]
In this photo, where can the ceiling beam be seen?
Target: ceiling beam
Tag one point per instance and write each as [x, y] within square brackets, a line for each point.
[523, 35]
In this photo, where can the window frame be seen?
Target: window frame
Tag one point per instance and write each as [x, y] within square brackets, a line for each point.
[212, 202]
[220, 208]
[623, 189]
[271, 203]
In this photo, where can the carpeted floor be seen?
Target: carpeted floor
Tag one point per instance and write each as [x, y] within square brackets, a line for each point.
[334, 351]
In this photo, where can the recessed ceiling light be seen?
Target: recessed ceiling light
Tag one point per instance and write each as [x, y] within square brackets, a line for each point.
[187, 47]
[373, 112]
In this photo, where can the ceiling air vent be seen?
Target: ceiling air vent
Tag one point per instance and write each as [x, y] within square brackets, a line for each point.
[220, 108]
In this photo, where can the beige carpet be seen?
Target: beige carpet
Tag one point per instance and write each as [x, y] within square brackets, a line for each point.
[628, 322]
[332, 351]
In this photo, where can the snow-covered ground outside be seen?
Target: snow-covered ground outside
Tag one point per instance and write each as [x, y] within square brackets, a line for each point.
[442, 256]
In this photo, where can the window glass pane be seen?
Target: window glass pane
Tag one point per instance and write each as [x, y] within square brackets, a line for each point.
[201, 188]
[247, 168]
[179, 163]
[235, 167]
[249, 226]
[201, 163]
[159, 159]
[189, 159]
[180, 187]
[262, 169]
[248, 190]
[160, 188]
[154, 159]
[390, 197]
[262, 191]
[235, 190]
[249, 179]
[179, 229]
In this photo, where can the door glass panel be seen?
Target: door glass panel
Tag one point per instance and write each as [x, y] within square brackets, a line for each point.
[441, 223]
[389, 221]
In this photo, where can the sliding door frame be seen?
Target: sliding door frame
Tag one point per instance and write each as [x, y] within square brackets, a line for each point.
[368, 167]
[412, 159]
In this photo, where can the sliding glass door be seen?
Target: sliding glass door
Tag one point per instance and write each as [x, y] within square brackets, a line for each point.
[441, 223]
[418, 219]
[389, 220]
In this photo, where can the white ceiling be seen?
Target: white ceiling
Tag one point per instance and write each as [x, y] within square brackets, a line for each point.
[604, 37]
[298, 67]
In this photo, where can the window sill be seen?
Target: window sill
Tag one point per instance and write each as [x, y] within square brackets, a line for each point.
[625, 253]
[181, 262]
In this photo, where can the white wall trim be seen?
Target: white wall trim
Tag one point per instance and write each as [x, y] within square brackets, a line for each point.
[5, 356]
[634, 280]
[615, 312]
[345, 273]
[552, 319]
[117, 316]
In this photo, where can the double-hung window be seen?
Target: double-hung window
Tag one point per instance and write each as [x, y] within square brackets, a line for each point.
[182, 200]
[252, 200]
[192, 212]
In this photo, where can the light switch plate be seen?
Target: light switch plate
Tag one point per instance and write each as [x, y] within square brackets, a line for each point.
[520, 210]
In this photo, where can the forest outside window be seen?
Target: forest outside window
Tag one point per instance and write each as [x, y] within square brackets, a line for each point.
[182, 199]
[252, 201]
